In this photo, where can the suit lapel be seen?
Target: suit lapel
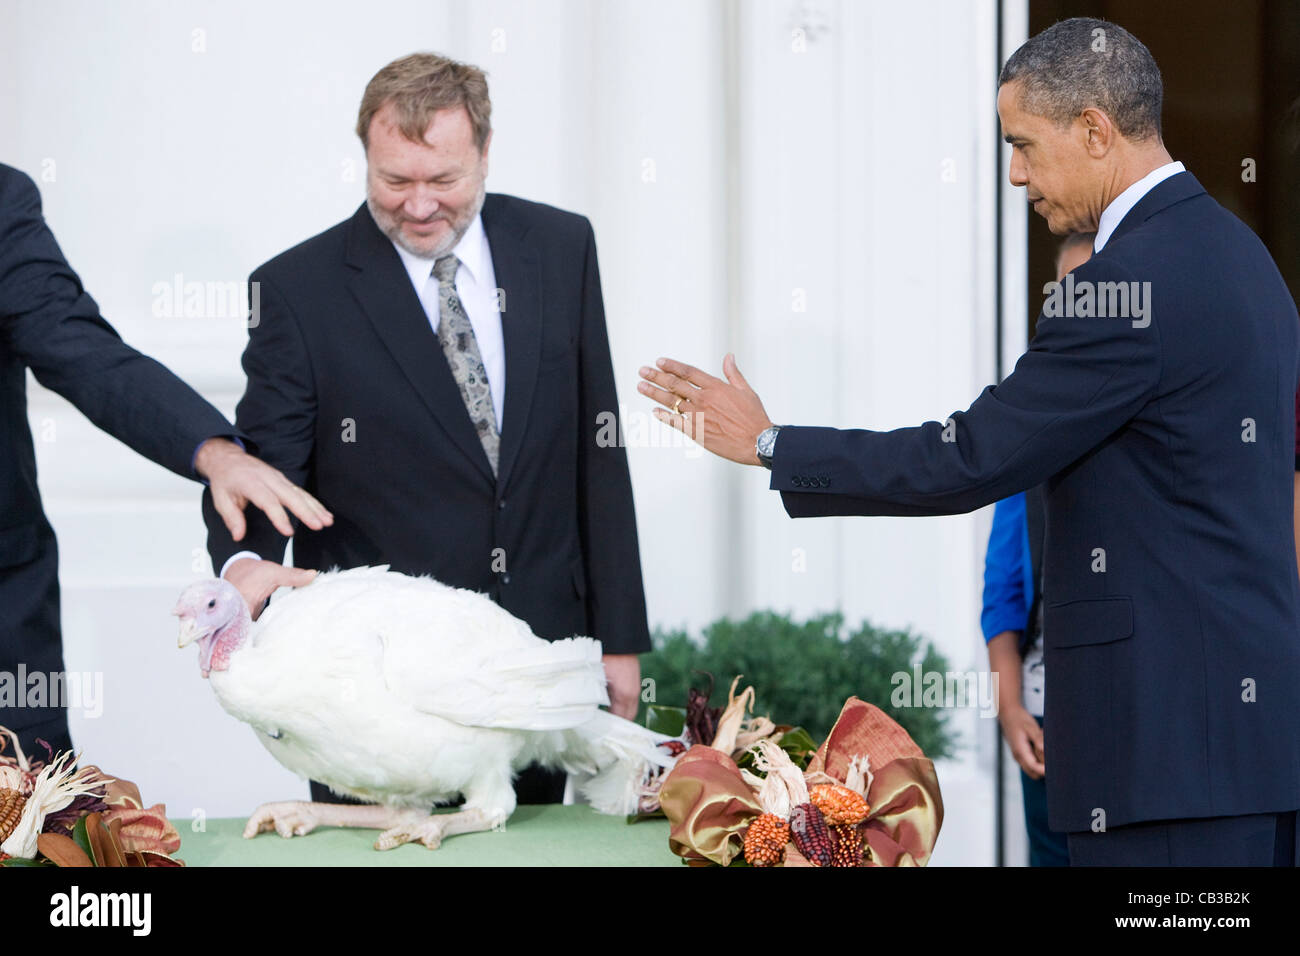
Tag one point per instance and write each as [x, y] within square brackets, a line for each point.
[519, 277]
[382, 287]
[1160, 197]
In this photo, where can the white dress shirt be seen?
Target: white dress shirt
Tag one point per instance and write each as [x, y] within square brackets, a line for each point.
[1119, 207]
[476, 286]
[1032, 680]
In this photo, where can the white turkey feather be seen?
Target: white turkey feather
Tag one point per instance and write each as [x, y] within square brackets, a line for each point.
[404, 691]
[450, 652]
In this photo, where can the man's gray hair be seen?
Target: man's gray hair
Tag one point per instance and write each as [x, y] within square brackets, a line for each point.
[1083, 62]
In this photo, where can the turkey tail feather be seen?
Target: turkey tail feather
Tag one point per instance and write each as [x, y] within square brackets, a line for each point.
[622, 755]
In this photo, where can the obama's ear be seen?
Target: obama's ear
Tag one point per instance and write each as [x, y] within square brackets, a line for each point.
[1099, 130]
[484, 158]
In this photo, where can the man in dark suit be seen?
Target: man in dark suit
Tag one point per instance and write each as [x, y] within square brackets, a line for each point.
[434, 367]
[1156, 402]
[49, 323]
[1012, 621]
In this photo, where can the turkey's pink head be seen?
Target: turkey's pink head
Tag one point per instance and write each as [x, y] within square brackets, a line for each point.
[214, 614]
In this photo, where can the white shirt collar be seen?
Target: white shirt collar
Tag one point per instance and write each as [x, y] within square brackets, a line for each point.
[1119, 207]
[472, 251]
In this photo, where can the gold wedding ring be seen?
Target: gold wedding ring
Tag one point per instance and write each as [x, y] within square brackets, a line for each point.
[677, 406]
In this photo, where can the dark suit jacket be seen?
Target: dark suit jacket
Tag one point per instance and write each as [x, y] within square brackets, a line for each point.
[48, 323]
[1173, 669]
[343, 342]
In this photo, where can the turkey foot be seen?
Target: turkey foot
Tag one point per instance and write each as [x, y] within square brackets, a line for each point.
[430, 830]
[299, 817]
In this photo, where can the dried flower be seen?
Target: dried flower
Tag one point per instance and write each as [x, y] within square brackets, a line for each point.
[56, 786]
[144, 829]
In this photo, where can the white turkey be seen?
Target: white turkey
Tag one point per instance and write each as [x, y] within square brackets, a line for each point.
[407, 692]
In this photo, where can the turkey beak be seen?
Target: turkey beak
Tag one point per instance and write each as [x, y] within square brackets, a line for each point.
[190, 629]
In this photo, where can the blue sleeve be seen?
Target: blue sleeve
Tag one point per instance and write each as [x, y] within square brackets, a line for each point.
[1005, 608]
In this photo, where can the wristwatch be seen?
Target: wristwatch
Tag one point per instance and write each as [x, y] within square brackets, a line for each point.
[766, 445]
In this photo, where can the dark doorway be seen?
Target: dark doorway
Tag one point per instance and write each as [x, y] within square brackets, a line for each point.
[1232, 93]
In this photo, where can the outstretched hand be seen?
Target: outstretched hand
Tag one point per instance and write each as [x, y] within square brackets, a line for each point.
[238, 479]
[725, 417]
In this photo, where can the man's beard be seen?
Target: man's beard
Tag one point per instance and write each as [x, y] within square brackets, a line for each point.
[428, 248]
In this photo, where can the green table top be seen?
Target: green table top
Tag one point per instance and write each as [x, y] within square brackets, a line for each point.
[552, 835]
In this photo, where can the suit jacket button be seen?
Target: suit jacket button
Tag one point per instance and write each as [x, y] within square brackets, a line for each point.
[505, 578]
[501, 505]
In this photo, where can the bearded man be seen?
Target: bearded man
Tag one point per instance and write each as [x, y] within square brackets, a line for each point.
[432, 368]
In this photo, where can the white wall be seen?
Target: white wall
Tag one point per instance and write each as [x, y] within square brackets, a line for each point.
[810, 185]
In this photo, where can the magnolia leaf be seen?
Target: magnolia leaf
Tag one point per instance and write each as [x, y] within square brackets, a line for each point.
[79, 837]
[62, 850]
[106, 850]
[666, 720]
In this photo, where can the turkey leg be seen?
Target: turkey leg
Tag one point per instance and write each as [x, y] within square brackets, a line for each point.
[299, 817]
[430, 830]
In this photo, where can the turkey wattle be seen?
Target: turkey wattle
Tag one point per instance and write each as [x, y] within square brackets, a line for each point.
[407, 692]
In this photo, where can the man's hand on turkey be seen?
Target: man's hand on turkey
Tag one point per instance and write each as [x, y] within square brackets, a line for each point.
[237, 479]
[257, 580]
[724, 417]
[407, 693]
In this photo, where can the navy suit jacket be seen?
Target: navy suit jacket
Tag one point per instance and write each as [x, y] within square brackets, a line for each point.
[350, 395]
[49, 323]
[1172, 602]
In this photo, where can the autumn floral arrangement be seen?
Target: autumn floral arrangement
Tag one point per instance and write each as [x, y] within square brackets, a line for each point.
[746, 791]
[53, 813]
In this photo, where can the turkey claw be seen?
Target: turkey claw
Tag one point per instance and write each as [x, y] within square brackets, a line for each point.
[428, 832]
[287, 819]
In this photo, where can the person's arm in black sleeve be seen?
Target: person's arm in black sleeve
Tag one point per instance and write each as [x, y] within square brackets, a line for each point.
[53, 325]
[277, 412]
